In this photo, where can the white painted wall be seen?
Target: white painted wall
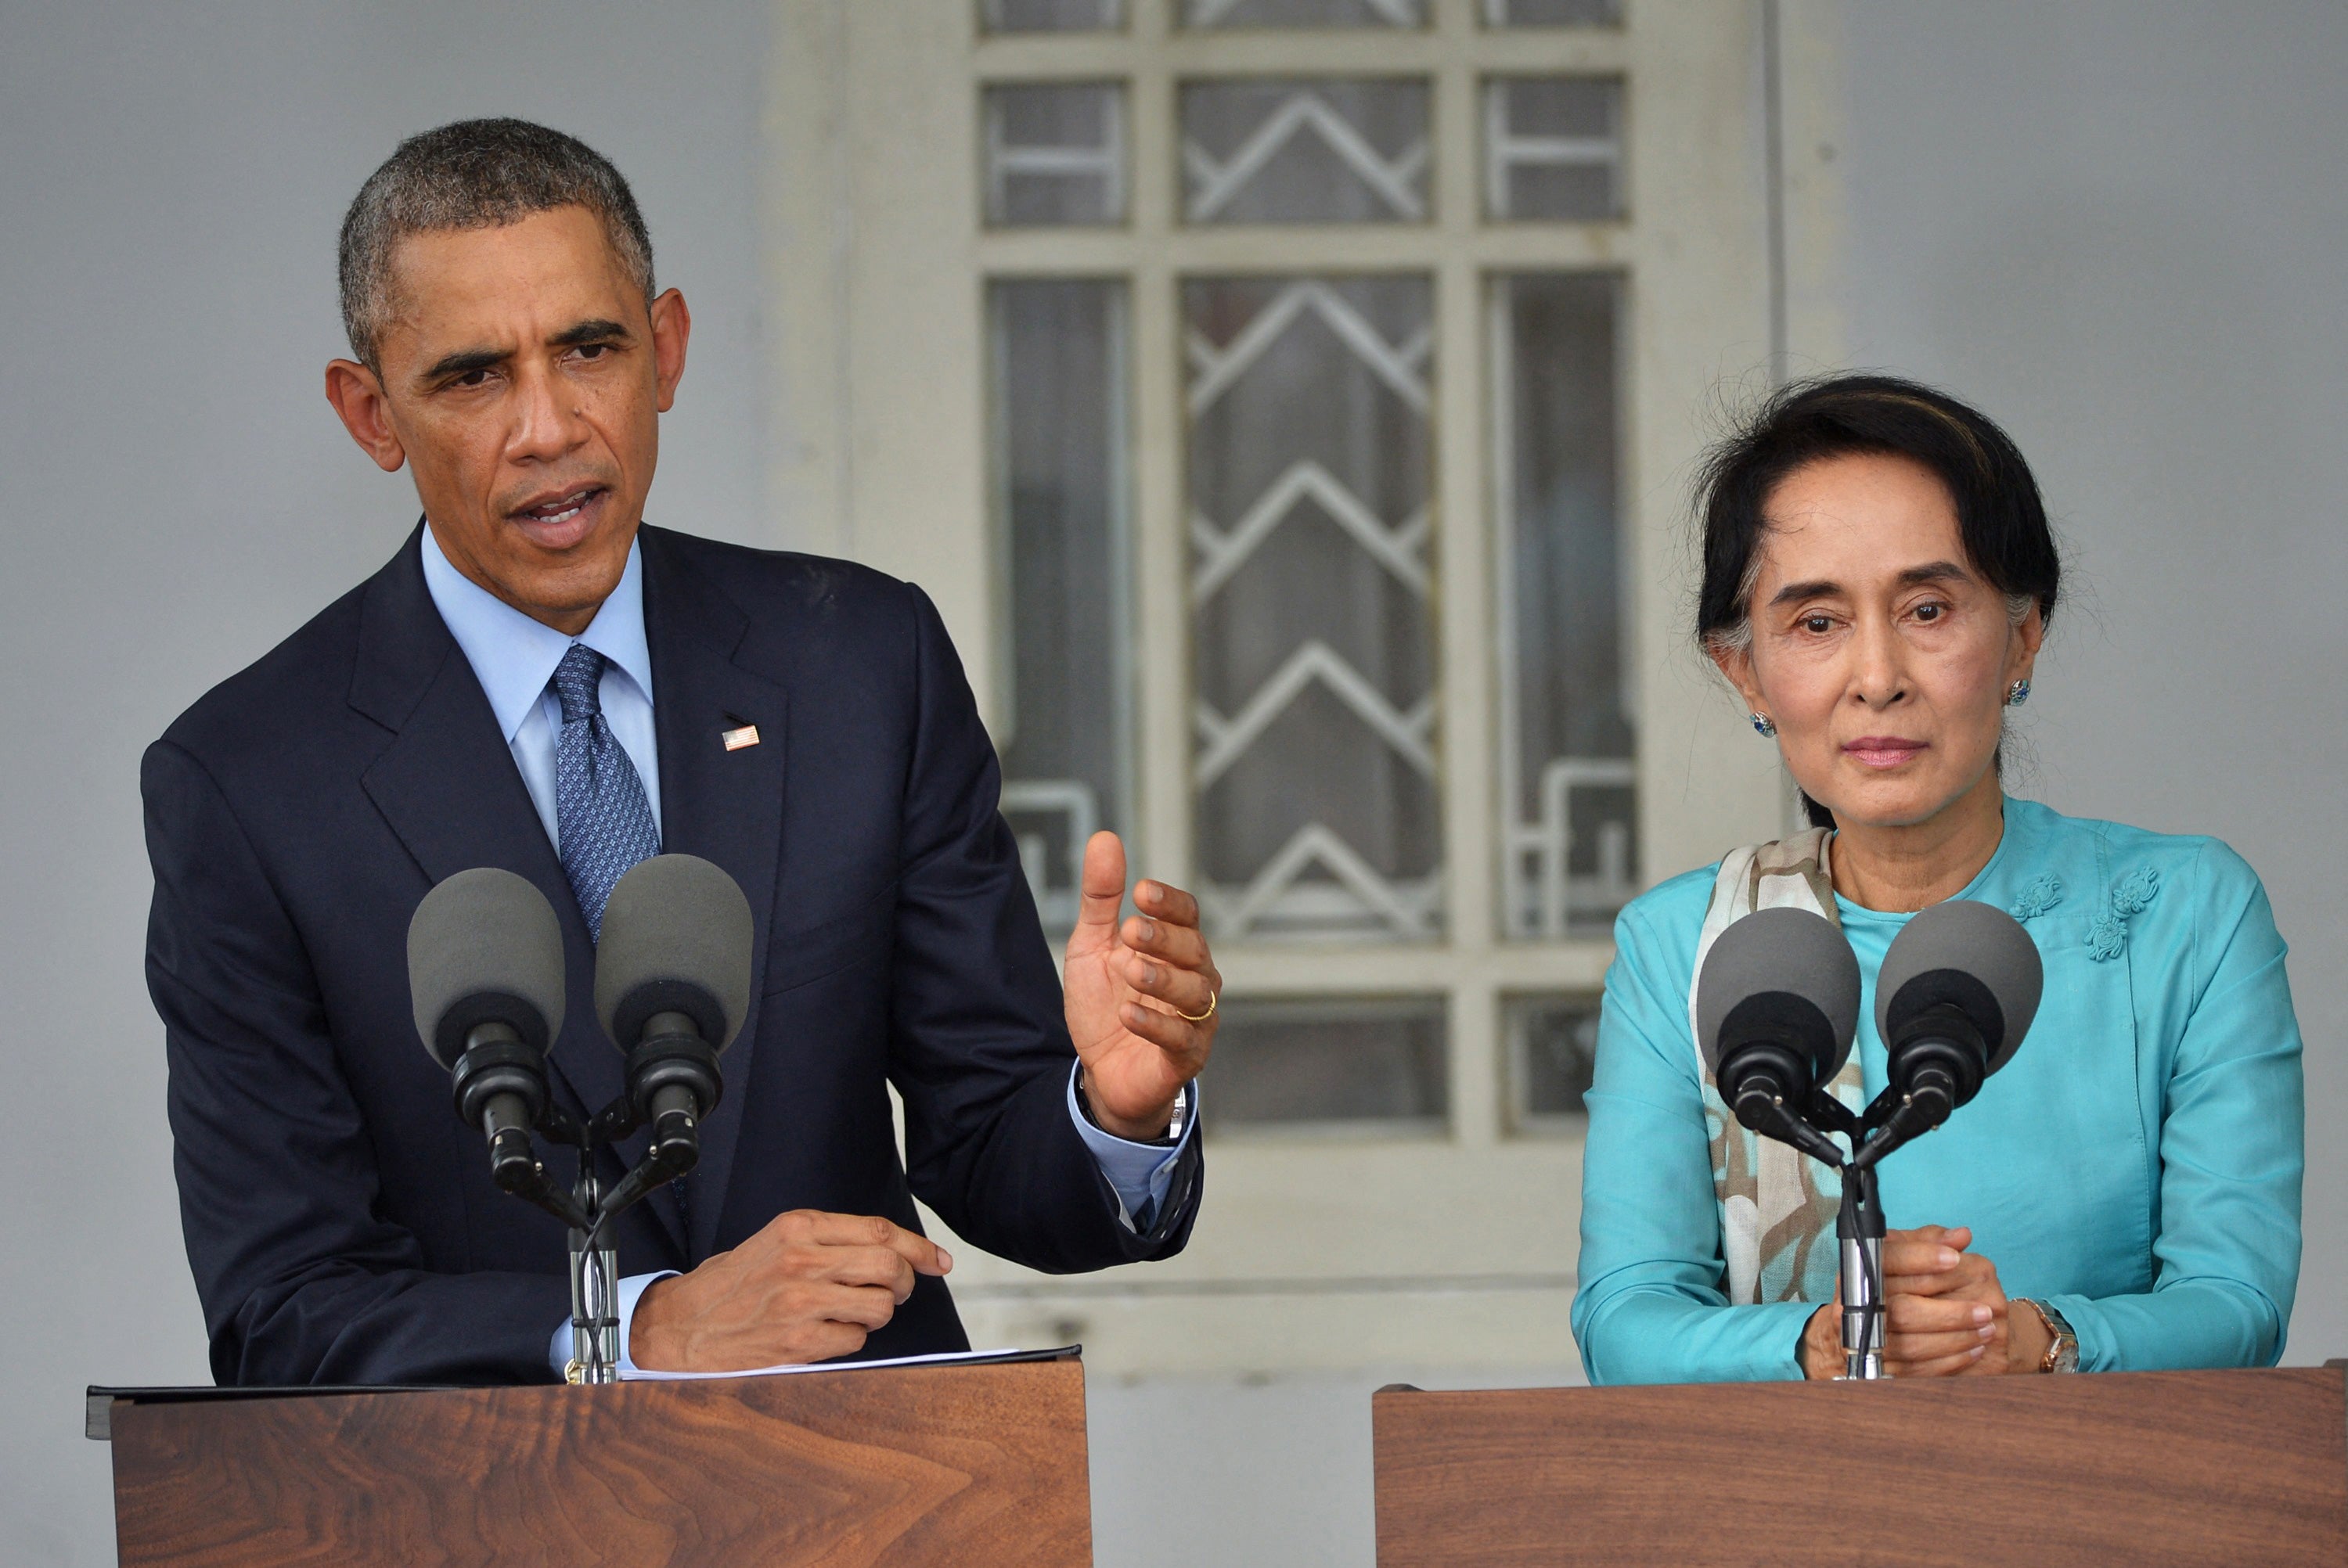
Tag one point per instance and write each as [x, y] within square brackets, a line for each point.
[2115, 223]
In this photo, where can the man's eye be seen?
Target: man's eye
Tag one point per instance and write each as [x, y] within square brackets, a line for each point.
[1817, 625]
[593, 350]
[1928, 612]
[472, 378]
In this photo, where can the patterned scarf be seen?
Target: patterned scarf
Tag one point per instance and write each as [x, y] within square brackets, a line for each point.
[1778, 1206]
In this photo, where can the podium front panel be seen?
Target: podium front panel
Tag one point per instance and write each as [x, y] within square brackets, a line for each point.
[2144, 1469]
[964, 1465]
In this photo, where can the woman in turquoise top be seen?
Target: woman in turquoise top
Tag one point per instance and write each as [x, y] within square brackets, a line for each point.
[2124, 1194]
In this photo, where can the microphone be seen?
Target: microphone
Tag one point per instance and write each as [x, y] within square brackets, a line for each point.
[672, 985]
[1776, 1009]
[485, 978]
[1955, 995]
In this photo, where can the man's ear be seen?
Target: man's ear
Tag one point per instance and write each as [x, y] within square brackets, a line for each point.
[357, 396]
[672, 327]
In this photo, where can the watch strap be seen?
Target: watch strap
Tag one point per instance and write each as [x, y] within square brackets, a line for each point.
[2062, 1340]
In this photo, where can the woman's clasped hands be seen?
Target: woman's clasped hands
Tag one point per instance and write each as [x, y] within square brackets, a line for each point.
[1946, 1313]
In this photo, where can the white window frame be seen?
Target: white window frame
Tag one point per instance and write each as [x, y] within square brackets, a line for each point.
[879, 265]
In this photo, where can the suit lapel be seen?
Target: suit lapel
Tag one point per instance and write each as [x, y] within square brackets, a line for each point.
[449, 787]
[724, 805]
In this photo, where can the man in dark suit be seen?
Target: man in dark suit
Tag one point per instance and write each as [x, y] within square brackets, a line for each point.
[538, 683]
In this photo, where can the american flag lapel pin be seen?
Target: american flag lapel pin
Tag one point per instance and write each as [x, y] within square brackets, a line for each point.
[740, 737]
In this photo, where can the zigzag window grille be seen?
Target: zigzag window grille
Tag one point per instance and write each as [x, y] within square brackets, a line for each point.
[1053, 154]
[1305, 151]
[1313, 661]
[1215, 14]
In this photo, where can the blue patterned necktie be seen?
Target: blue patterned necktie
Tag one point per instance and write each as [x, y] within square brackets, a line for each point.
[601, 812]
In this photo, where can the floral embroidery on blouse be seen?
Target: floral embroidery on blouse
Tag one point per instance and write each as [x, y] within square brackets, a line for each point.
[2041, 894]
[2107, 937]
[2136, 890]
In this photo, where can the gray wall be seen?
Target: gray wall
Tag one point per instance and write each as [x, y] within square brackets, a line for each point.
[2116, 224]
[175, 497]
[2120, 227]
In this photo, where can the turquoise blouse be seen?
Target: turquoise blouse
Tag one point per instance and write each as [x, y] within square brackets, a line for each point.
[2136, 1163]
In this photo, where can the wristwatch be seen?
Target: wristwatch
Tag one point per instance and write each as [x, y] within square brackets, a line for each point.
[2062, 1342]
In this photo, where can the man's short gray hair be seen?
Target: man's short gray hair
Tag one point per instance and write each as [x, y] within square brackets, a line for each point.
[474, 174]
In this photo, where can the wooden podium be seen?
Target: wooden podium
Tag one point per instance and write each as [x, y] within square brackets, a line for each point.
[966, 1464]
[2135, 1469]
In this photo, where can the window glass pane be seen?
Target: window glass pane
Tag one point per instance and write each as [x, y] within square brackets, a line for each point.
[1552, 1053]
[1553, 148]
[1304, 13]
[1050, 15]
[1304, 152]
[1567, 772]
[1552, 12]
[1347, 1064]
[1054, 153]
[1058, 424]
[1313, 669]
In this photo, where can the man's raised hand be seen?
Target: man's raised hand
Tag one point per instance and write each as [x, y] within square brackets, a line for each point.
[1140, 997]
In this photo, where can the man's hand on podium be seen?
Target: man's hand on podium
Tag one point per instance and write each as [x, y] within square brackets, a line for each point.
[1141, 996]
[808, 1288]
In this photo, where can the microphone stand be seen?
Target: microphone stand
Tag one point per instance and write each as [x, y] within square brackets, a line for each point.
[594, 1255]
[1859, 1229]
[1894, 1118]
[594, 1285]
[588, 1210]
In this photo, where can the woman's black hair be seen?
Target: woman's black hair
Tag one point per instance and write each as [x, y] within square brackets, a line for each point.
[2000, 517]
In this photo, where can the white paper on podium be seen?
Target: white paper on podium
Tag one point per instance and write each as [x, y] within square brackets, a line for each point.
[646, 1375]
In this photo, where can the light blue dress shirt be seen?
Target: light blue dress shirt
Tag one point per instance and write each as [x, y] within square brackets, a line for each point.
[514, 658]
[2137, 1165]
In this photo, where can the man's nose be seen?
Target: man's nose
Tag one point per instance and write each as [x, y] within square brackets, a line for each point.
[548, 423]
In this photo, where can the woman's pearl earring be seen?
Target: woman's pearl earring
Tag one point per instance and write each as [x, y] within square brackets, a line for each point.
[1767, 730]
[2017, 694]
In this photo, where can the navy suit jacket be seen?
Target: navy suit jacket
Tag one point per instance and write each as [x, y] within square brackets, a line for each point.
[341, 1222]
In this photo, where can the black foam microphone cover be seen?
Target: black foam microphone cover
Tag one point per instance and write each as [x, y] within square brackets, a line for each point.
[1782, 976]
[677, 938]
[485, 947]
[1967, 958]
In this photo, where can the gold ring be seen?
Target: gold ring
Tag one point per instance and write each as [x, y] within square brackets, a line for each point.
[1213, 998]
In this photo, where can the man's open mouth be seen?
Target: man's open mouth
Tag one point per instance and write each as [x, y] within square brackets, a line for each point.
[561, 508]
